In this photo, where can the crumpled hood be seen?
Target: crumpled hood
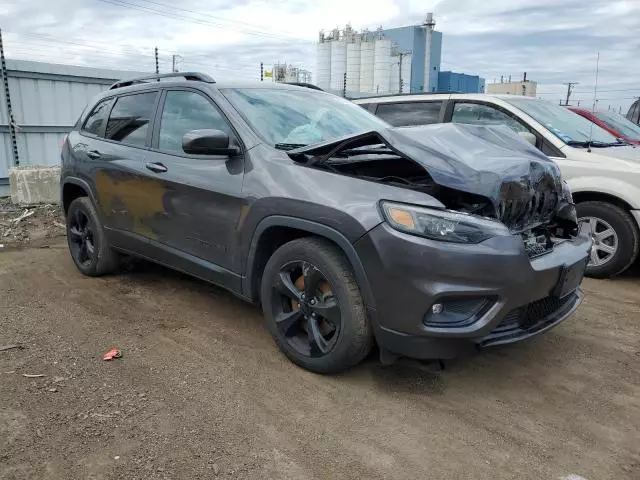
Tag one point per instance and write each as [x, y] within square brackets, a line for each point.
[523, 184]
[490, 161]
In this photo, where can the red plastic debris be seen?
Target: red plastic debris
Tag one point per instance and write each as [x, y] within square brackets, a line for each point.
[111, 354]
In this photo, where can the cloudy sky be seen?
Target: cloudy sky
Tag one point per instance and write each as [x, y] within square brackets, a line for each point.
[554, 41]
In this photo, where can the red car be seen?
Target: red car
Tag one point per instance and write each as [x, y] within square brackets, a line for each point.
[613, 123]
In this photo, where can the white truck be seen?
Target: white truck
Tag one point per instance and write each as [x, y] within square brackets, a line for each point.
[602, 171]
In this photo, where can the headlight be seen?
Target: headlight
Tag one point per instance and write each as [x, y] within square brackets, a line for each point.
[444, 225]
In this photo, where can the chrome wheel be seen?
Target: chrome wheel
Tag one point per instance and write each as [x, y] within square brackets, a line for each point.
[605, 241]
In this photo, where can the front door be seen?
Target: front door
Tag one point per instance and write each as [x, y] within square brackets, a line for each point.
[201, 194]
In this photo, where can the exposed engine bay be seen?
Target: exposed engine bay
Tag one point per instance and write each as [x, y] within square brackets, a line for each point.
[485, 171]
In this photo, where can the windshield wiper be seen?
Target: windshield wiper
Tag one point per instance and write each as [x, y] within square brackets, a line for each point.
[588, 144]
[289, 146]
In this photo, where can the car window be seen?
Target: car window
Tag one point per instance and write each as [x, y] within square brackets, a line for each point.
[97, 118]
[287, 117]
[635, 112]
[619, 123]
[130, 117]
[185, 111]
[479, 114]
[410, 113]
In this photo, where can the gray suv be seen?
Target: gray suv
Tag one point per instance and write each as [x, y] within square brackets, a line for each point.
[426, 241]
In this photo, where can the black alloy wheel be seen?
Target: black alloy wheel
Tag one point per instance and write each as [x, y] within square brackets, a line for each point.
[88, 244]
[81, 238]
[306, 312]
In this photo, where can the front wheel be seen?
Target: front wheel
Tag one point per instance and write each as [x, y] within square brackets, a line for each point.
[313, 307]
[615, 238]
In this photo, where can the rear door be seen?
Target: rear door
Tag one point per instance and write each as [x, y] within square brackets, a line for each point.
[201, 194]
[126, 199]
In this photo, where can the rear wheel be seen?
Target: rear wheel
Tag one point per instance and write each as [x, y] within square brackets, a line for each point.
[313, 307]
[87, 242]
[615, 238]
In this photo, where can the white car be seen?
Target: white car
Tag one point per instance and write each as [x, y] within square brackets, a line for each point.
[603, 172]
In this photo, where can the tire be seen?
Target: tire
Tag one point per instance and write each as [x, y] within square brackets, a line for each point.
[626, 236]
[351, 340]
[98, 260]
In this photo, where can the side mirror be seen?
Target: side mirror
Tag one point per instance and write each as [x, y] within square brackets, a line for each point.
[529, 137]
[207, 142]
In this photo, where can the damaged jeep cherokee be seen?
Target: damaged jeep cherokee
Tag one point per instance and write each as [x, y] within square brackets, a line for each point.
[428, 241]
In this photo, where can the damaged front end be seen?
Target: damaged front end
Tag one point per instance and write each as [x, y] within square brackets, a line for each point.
[486, 172]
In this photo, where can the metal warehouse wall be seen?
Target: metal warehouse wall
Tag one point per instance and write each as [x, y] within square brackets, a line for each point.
[46, 101]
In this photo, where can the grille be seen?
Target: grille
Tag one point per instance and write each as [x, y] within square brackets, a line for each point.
[529, 315]
[520, 212]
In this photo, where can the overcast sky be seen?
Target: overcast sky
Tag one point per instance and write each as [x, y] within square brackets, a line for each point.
[554, 41]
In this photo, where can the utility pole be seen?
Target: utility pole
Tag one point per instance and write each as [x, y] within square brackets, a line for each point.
[157, 62]
[7, 99]
[570, 86]
[261, 72]
[173, 62]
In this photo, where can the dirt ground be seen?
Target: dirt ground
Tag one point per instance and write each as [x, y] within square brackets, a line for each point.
[201, 391]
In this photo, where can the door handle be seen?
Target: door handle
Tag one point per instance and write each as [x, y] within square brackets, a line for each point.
[156, 167]
[95, 154]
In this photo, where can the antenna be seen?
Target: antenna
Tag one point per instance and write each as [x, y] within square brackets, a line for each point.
[595, 100]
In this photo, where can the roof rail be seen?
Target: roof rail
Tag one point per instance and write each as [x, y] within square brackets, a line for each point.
[195, 76]
[404, 94]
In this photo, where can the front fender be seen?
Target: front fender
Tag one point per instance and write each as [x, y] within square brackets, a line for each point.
[316, 229]
[621, 189]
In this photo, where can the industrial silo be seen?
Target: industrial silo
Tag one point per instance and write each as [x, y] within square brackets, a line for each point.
[338, 62]
[394, 74]
[367, 47]
[382, 65]
[406, 73]
[323, 66]
[353, 64]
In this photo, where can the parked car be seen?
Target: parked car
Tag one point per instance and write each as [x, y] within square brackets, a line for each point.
[612, 122]
[634, 112]
[603, 172]
[430, 241]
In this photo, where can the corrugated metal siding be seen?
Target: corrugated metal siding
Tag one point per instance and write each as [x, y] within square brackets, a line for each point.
[47, 95]
[50, 102]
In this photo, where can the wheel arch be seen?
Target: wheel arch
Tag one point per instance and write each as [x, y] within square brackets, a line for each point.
[72, 188]
[274, 231]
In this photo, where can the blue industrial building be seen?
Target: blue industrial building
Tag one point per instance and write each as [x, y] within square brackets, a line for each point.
[460, 82]
[412, 39]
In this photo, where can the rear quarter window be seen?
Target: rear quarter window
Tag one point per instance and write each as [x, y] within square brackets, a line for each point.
[97, 119]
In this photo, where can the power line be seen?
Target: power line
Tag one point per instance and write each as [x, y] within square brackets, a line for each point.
[171, 7]
[177, 16]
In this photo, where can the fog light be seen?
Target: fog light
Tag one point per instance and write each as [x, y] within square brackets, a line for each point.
[457, 311]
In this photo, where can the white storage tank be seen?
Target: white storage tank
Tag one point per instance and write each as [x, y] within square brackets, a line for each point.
[382, 66]
[338, 64]
[394, 72]
[323, 66]
[353, 65]
[406, 73]
[366, 65]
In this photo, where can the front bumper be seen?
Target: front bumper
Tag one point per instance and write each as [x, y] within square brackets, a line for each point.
[408, 274]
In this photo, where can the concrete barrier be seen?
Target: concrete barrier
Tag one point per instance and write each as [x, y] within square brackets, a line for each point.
[34, 184]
